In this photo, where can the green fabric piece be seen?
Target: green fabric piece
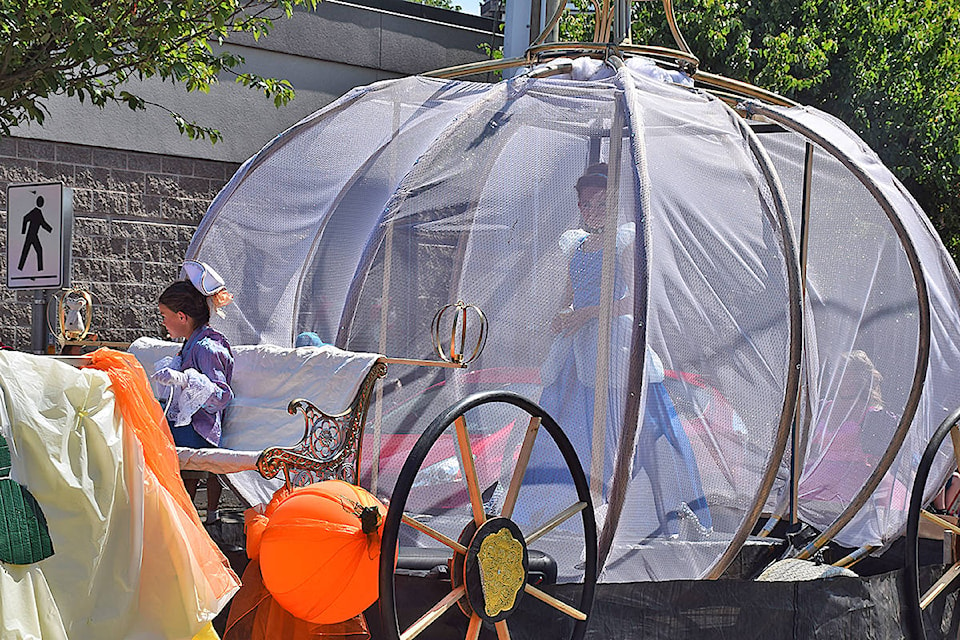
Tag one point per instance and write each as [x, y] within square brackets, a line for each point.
[24, 538]
[4, 458]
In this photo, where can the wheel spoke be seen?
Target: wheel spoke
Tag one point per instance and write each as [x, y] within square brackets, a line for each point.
[502, 632]
[523, 458]
[436, 535]
[473, 631]
[556, 521]
[955, 440]
[940, 585]
[431, 616]
[470, 471]
[949, 526]
[559, 605]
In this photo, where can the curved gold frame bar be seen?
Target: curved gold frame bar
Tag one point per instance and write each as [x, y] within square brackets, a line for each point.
[727, 89]
[471, 68]
[674, 29]
[561, 7]
[741, 88]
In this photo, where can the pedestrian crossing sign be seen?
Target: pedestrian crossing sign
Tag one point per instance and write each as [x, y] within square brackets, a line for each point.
[39, 235]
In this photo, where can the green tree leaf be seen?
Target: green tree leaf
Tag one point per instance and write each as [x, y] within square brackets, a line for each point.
[88, 50]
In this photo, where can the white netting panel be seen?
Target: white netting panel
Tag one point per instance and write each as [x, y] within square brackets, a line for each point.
[866, 306]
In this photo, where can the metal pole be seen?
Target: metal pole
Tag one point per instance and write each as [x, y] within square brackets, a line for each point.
[621, 22]
[38, 324]
[550, 7]
[796, 462]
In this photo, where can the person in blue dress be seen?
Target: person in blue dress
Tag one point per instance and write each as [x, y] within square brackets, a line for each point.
[569, 374]
[200, 374]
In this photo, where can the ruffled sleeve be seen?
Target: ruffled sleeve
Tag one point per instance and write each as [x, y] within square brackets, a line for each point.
[208, 383]
[215, 363]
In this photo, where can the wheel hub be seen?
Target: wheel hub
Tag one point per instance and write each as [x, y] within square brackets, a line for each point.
[494, 570]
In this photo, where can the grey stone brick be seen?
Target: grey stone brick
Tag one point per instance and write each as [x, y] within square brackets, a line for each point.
[124, 229]
[197, 187]
[146, 162]
[118, 247]
[93, 226]
[73, 153]
[18, 170]
[56, 172]
[129, 181]
[109, 158]
[99, 290]
[135, 266]
[91, 269]
[173, 209]
[92, 177]
[110, 202]
[145, 298]
[162, 185]
[36, 149]
[82, 245]
[162, 273]
[8, 147]
[196, 210]
[122, 274]
[144, 250]
[20, 311]
[210, 169]
[185, 233]
[166, 232]
[148, 206]
[175, 165]
[82, 200]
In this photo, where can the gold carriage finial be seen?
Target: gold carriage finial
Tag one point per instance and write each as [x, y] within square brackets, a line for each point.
[458, 333]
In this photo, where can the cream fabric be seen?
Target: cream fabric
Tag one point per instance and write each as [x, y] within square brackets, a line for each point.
[122, 565]
[217, 460]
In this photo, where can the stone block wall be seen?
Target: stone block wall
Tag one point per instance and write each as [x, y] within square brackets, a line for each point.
[134, 216]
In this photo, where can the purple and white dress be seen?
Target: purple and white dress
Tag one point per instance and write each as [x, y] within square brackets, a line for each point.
[195, 411]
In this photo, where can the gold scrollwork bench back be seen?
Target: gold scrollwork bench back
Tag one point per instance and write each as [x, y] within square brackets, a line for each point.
[331, 444]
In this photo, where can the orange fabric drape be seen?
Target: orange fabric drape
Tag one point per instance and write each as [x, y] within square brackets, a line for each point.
[142, 413]
[255, 615]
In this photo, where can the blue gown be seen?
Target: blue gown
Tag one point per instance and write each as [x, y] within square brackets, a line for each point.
[569, 377]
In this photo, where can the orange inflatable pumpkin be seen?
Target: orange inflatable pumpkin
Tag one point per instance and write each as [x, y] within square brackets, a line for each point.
[316, 559]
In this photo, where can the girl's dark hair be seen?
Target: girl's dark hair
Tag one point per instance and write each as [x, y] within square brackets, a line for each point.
[594, 176]
[183, 296]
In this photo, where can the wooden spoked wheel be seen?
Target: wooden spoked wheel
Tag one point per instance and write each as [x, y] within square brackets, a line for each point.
[489, 565]
[917, 601]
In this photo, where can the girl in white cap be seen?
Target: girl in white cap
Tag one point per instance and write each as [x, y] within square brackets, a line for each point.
[201, 373]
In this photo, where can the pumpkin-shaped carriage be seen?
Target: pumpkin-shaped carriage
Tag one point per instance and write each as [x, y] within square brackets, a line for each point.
[725, 301]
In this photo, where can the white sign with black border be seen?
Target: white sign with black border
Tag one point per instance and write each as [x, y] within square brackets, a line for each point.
[39, 235]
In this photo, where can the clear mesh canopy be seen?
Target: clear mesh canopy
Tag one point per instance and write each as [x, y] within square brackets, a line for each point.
[656, 314]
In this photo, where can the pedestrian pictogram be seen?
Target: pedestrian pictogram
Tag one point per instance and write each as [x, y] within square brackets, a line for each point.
[39, 225]
[33, 222]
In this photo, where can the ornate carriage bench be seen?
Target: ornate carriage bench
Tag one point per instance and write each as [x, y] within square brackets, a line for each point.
[264, 444]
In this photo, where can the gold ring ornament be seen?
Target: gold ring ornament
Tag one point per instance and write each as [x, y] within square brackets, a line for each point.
[74, 313]
[458, 333]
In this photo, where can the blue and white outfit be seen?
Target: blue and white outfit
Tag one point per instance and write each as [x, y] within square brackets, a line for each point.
[569, 379]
